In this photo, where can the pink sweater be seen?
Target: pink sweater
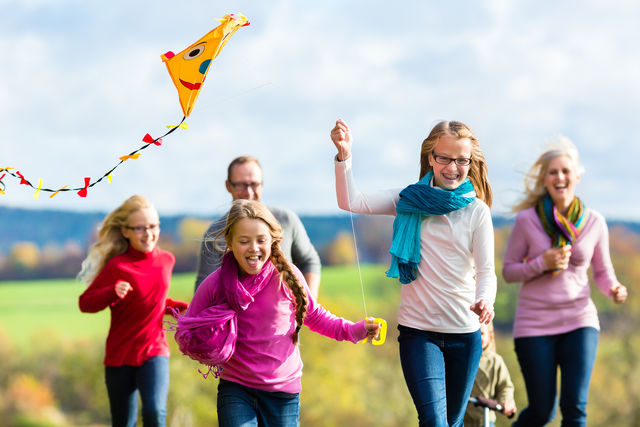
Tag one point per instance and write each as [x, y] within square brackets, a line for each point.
[265, 357]
[551, 304]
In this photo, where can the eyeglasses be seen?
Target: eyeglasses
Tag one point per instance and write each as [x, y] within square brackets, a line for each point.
[143, 228]
[245, 185]
[444, 160]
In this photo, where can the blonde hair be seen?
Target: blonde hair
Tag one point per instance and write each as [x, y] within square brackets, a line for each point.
[110, 241]
[534, 188]
[251, 209]
[492, 336]
[477, 170]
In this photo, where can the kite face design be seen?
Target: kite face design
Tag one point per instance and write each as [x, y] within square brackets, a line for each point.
[188, 68]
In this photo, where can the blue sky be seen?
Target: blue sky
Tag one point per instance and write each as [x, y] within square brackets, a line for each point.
[81, 83]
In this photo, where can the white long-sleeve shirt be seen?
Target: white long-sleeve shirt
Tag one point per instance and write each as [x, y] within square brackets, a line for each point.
[456, 267]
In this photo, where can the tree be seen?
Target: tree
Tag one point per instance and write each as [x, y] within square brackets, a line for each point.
[23, 259]
[340, 251]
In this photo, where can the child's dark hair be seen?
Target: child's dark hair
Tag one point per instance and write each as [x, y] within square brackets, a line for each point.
[241, 209]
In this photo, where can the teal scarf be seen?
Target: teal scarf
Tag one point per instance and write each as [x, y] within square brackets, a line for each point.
[416, 201]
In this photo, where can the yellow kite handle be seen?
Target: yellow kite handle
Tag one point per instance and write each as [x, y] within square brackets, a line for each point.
[382, 333]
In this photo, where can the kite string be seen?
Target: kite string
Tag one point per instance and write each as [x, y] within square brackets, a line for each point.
[27, 182]
[355, 245]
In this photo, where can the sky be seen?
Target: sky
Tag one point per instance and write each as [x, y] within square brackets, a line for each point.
[82, 82]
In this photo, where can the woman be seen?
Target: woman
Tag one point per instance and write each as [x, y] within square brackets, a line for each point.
[553, 242]
[443, 255]
[130, 275]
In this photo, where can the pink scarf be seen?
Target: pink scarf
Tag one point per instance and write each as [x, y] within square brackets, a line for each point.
[210, 335]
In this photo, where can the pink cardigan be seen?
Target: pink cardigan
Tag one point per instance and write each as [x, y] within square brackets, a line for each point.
[265, 357]
[551, 304]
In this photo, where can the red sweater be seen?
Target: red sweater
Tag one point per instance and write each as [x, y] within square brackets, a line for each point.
[136, 332]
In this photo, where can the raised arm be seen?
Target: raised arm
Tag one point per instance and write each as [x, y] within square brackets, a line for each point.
[349, 197]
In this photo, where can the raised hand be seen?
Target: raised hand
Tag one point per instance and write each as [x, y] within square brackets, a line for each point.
[341, 137]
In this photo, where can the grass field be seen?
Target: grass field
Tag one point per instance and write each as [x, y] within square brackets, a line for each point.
[29, 309]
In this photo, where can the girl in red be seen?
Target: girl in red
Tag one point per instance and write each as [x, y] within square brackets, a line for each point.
[131, 276]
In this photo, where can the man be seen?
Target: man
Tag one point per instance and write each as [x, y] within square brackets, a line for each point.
[244, 181]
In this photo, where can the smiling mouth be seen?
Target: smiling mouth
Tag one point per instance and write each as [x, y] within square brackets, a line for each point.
[190, 86]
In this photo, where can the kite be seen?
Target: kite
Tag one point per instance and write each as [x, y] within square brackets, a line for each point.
[188, 70]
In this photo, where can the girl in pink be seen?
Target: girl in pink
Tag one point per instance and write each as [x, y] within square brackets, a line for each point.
[130, 275]
[553, 242]
[264, 301]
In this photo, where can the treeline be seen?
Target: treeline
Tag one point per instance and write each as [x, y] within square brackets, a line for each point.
[52, 244]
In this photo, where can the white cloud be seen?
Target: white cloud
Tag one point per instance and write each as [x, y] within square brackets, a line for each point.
[82, 89]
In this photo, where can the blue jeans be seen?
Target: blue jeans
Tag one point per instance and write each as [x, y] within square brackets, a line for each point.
[151, 380]
[240, 406]
[575, 353]
[439, 370]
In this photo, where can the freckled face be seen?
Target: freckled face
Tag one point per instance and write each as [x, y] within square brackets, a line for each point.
[449, 177]
[251, 245]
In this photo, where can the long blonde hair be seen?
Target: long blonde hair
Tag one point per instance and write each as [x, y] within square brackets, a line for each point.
[110, 241]
[251, 209]
[477, 170]
[534, 188]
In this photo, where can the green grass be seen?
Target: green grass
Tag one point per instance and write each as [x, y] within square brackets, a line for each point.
[29, 309]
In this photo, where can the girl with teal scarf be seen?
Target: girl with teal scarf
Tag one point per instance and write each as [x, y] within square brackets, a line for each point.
[442, 254]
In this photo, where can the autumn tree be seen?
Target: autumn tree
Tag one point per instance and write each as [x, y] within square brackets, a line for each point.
[340, 251]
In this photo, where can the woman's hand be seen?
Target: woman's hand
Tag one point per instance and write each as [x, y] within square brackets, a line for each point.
[557, 258]
[122, 288]
[341, 137]
[373, 329]
[619, 293]
[484, 310]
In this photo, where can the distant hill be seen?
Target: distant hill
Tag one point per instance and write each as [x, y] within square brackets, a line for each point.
[58, 227]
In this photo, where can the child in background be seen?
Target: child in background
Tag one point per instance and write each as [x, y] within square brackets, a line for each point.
[130, 275]
[492, 381]
[268, 301]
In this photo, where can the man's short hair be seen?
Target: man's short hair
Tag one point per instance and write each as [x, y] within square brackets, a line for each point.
[241, 161]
